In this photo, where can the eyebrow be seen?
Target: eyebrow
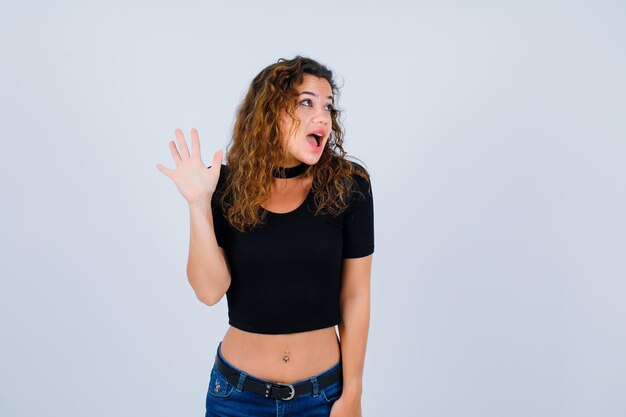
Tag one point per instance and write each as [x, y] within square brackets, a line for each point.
[315, 95]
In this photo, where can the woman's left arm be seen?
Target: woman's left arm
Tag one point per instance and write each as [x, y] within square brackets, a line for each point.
[354, 327]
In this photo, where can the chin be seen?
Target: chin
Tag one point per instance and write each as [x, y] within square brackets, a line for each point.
[310, 160]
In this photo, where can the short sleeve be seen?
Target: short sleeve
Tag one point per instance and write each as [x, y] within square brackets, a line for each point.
[358, 226]
[220, 224]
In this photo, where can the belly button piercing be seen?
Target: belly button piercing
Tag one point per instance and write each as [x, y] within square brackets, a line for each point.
[286, 357]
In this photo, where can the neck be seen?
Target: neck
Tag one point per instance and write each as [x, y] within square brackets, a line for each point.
[290, 172]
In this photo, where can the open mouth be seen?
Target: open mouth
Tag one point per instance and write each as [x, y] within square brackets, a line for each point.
[315, 138]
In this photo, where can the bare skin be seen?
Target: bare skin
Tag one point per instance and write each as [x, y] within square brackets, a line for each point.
[262, 355]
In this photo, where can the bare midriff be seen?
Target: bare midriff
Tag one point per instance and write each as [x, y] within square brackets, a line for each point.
[283, 357]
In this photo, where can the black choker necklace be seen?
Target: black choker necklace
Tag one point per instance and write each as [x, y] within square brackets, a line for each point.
[291, 172]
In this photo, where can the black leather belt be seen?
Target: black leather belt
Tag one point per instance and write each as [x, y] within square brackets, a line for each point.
[277, 390]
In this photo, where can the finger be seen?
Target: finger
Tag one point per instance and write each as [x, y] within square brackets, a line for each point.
[165, 170]
[184, 150]
[174, 152]
[195, 144]
[217, 159]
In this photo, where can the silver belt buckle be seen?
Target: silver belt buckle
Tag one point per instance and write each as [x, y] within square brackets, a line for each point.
[293, 391]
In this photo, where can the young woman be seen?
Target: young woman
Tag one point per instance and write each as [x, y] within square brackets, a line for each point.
[286, 231]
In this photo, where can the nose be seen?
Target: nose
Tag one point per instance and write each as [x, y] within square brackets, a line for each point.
[322, 117]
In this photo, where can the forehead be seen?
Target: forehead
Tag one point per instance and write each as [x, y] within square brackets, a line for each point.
[316, 85]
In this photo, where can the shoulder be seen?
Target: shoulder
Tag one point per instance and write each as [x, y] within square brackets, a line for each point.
[360, 178]
[356, 166]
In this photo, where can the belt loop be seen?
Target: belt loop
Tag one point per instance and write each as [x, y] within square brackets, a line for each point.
[242, 378]
[315, 386]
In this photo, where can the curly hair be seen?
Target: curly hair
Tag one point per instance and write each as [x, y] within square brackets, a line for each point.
[255, 150]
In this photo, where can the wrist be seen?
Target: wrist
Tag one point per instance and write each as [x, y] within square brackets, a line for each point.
[352, 389]
[202, 205]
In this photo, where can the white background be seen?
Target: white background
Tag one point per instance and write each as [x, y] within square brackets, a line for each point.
[495, 134]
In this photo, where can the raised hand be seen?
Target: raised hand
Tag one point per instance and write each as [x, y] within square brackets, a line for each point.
[194, 181]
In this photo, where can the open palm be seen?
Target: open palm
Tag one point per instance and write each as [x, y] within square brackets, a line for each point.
[194, 181]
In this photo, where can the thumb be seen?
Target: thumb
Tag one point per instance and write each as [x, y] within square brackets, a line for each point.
[164, 170]
[217, 158]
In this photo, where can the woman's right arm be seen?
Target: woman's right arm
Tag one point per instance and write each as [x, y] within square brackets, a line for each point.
[207, 267]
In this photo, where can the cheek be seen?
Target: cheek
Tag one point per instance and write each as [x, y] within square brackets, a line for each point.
[290, 129]
[286, 136]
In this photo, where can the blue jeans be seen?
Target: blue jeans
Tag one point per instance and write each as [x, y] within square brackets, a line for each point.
[227, 400]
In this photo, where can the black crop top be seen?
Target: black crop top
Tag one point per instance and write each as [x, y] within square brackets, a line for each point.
[286, 272]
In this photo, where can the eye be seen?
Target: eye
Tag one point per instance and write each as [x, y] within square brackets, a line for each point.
[330, 107]
[306, 102]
